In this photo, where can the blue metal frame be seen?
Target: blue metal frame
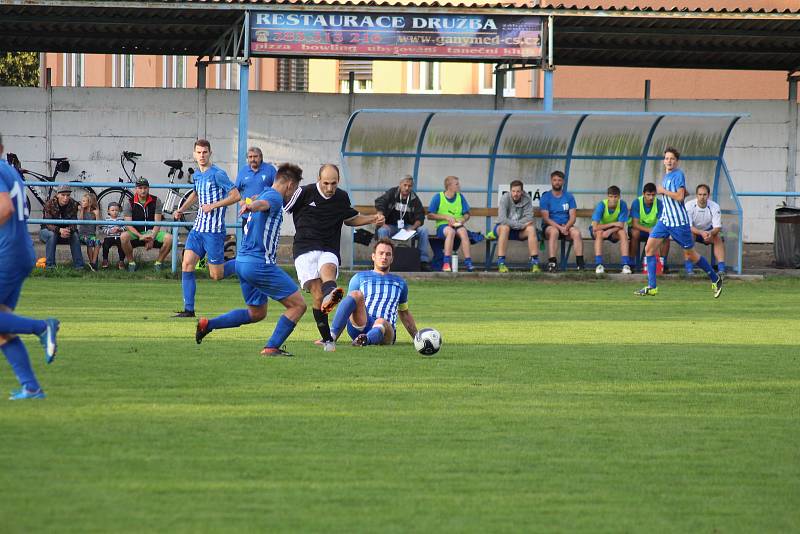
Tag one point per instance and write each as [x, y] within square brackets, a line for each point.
[568, 157]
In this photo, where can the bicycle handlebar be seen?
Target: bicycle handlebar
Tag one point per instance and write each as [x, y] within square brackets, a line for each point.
[130, 155]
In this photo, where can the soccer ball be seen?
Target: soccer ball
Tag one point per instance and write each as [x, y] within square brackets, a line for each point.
[428, 341]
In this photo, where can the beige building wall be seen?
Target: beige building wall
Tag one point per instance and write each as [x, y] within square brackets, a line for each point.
[388, 77]
[323, 76]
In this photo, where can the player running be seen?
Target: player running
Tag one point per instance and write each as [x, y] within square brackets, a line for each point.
[259, 275]
[376, 299]
[319, 210]
[674, 223]
[17, 259]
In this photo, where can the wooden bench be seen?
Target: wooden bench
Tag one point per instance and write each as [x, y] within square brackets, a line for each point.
[566, 246]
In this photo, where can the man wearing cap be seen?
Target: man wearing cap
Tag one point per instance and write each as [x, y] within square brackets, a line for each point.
[62, 206]
[145, 207]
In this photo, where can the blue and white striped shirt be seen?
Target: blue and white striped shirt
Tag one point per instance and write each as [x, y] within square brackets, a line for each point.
[211, 186]
[383, 293]
[673, 213]
[262, 231]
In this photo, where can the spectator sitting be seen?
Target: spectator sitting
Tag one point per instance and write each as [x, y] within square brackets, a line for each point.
[643, 217]
[559, 212]
[87, 233]
[62, 206]
[111, 236]
[450, 210]
[145, 207]
[403, 209]
[515, 221]
[705, 218]
[608, 222]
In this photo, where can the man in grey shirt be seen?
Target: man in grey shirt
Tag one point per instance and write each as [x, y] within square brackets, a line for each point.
[515, 221]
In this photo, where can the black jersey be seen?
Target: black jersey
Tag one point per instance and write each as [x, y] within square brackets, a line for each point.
[318, 220]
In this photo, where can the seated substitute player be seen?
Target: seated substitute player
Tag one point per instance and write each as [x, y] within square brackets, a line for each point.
[376, 299]
[608, 222]
[319, 211]
[515, 221]
[213, 191]
[259, 275]
[450, 210]
[674, 223]
[643, 217]
[17, 259]
[559, 212]
[705, 217]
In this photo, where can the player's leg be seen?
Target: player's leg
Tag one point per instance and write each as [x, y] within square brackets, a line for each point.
[194, 250]
[328, 273]
[598, 237]
[719, 252]
[381, 333]
[502, 231]
[125, 240]
[447, 233]
[353, 309]
[164, 244]
[624, 245]
[11, 323]
[529, 234]
[665, 251]
[657, 235]
[215, 254]
[295, 308]
[577, 245]
[461, 231]
[12, 346]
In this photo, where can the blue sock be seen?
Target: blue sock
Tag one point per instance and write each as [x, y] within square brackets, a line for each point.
[651, 271]
[626, 260]
[501, 259]
[468, 262]
[535, 260]
[703, 264]
[598, 260]
[375, 335]
[281, 333]
[17, 356]
[721, 266]
[448, 259]
[229, 268]
[232, 319]
[189, 285]
[689, 266]
[16, 324]
[343, 313]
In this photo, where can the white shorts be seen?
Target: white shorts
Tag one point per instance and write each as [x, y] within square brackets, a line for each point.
[309, 264]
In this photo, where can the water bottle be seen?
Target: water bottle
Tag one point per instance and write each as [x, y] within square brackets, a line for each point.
[455, 263]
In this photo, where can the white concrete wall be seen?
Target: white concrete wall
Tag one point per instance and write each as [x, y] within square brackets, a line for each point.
[92, 127]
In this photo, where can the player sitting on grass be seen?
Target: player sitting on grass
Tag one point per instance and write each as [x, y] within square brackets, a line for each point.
[376, 298]
[259, 275]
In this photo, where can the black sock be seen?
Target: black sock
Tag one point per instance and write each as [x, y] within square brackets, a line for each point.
[551, 259]
[327, 287]
[322, 324]
[579, 260]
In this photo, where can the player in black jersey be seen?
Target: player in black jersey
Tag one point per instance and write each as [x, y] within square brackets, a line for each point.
[319, 211]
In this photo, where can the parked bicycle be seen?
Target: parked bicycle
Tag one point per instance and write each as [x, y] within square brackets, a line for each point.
[176, 198]
[120, 195]
[42, 193]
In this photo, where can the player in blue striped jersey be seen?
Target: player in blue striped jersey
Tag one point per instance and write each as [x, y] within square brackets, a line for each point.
[259, 275]
[17, 259]
[213, 191]
[375, 301]
[674, 222]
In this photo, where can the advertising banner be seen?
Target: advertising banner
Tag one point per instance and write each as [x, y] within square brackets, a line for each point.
[394, 36]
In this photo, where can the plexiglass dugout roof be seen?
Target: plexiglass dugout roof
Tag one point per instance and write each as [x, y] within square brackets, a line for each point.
[486, 149]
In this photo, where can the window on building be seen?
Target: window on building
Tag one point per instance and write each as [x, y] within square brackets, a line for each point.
[363, 76]
[423, 77]
[74, 75]
[174, 72]
[122, 70]
[486, 82]
[292, 75]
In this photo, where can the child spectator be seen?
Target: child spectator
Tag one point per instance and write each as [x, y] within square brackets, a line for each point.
[89, 211]
[111, 235]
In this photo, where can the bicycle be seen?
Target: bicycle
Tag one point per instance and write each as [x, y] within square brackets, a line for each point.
[43, 193]
[176, 197]
[120, 195]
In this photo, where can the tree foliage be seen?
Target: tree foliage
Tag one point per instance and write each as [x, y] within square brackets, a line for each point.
[20, 69]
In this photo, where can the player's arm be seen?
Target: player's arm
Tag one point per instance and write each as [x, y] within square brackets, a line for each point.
[132, 229]
[361, 220]
[256, 205]
[573, 215]
[232, 197]
[404, 314]
[678, 195]
[638, 226]
[6, 207]
[191, 199]
[716, 220]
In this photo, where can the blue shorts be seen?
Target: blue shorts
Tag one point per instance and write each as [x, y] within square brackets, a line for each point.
[512, 234]
[682, 235]
[261, 281]
[613, 238]
[11, 286]
[354, 332]
[211, 244]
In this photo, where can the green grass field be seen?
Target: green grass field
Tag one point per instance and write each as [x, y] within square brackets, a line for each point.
[570, 406]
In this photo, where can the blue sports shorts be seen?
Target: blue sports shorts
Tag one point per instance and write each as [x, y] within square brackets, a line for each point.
[682, 235]
[262, 281]
[211, 244]
[11, 286]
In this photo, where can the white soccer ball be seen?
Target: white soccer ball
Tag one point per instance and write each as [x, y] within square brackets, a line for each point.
[428, 341]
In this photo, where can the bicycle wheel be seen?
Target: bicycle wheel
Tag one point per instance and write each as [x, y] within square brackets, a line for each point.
[190, 213]
[120, 195]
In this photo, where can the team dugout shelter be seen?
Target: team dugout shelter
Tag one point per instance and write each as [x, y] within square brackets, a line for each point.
[487, 150]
